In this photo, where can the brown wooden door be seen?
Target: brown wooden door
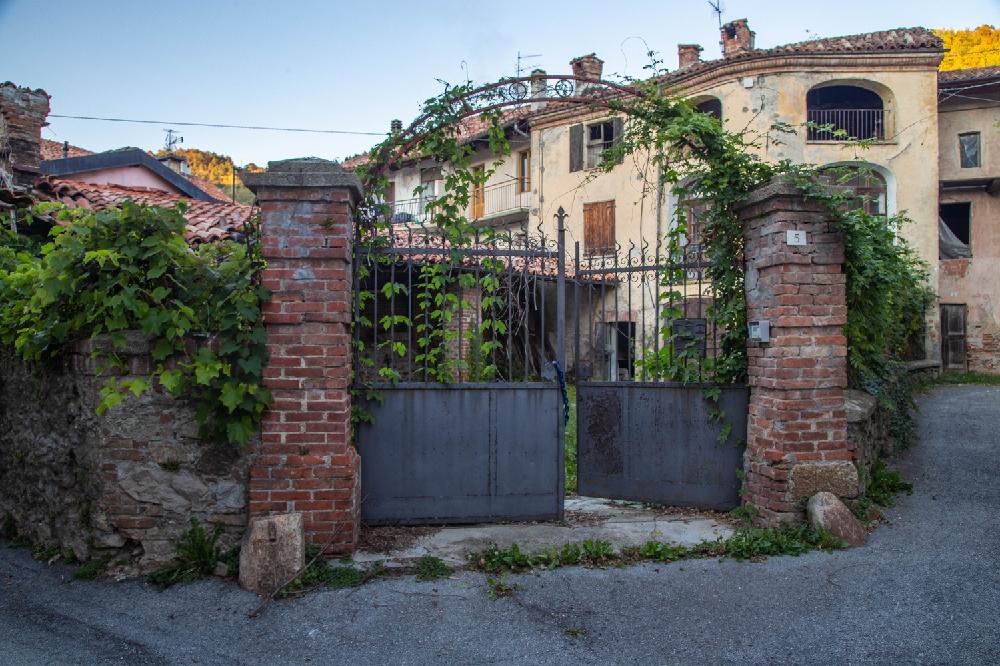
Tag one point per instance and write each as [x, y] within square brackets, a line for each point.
[953, 337]
[478, 195]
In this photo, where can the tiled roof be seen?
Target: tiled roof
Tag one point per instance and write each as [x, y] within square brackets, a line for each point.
[209, 188]
[471, 128]
[53, 150]
[966, 75]
[882, 41]
[207, 220]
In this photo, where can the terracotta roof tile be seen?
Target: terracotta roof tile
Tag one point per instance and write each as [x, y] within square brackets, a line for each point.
[207, 220]
[53, 150]
[970, 74]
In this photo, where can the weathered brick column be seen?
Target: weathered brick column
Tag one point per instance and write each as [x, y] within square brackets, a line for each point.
[306, 462]
[797, 430]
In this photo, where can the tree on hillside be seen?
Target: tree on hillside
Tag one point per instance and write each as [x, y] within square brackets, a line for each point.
[217, 169]
[979, 47]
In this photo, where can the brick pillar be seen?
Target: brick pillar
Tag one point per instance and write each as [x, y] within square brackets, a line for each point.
[306, 462]
[797, 441]
[463, 325]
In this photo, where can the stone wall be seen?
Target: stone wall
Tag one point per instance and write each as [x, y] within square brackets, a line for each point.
[126, 482]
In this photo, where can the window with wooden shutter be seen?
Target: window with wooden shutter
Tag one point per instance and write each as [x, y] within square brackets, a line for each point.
[599, 228]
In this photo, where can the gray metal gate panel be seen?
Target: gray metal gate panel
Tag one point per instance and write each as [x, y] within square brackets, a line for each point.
[653, 442]
[463, 453]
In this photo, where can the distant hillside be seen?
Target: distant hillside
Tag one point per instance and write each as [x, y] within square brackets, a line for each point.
[217, 169]
[979, 47]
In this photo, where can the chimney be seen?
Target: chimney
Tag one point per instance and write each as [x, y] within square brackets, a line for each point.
[176, 163]
[22, 117]
[687, 55]
[395, 127]
[737, 38]
[587, 67]
[538, 88]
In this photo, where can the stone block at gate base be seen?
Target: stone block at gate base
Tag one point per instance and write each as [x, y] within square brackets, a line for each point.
[826, 510]
[839, 478]
[274, 550]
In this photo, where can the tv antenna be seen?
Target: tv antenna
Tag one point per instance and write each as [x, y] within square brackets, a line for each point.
[172, 139]
[524, 56]
[717, 9]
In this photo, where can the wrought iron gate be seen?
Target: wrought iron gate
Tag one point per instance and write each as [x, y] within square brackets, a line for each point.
[488, 444]
[641, 321]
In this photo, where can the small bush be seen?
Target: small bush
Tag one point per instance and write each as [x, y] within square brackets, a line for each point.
[495, 559]
[498, 587]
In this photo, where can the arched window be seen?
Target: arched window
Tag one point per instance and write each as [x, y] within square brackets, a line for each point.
[710, 105]
[845, 112]
[867, 185]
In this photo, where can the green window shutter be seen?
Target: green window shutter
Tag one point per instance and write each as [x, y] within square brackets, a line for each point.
[619, 134]
[576, 147]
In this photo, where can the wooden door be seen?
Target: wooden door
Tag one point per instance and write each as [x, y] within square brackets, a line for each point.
[953, 337]
[478, 194]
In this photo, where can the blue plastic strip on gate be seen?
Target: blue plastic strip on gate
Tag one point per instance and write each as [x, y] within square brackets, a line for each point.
[562, 387]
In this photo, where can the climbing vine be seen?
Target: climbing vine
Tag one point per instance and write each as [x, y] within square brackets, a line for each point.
[886, 283]
[105, 273]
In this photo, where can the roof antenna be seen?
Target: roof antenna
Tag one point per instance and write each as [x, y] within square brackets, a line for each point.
[524, 56]
[717, 9]
[172, 140]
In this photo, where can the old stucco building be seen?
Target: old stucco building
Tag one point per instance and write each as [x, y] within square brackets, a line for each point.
[969, 169]
[881, 86]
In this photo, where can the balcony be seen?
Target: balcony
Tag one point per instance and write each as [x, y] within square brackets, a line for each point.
[495, 205]
[857, 123]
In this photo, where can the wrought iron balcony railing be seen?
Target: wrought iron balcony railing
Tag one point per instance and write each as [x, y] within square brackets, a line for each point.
[856, 123]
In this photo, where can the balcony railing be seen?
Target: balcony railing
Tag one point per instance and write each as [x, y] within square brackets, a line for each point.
[488, 202]
[495, 200]
[857, 123]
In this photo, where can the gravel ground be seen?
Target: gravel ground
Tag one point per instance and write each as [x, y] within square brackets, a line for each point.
[924, 590]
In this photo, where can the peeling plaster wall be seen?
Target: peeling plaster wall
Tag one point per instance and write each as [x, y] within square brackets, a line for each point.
[129, 481]
[974, 282]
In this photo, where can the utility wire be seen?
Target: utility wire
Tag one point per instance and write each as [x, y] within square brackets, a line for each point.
[247, 127]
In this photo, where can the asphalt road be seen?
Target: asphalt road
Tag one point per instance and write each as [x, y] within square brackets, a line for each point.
[924, 590]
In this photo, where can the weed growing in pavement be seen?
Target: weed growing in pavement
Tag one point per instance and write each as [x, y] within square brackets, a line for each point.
[748, 543]
[884, 483]
[431, 568]
[498, 587]
[91, 569]
[197, 553]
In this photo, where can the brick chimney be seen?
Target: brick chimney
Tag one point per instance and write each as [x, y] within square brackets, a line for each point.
[687, 55]
[587, 67]
[22, 117]
[737, 38]
[539, 86]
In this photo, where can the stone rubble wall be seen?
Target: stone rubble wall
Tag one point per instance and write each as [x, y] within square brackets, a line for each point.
[127, 482]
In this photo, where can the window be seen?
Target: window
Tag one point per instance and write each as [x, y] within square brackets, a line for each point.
[428, 181]
[867, 184]
[600, 137]
[843, 113]
[955, 230]
[588, 142]
[599, 228]
[524, 171]
[968, 149]
[711, 106]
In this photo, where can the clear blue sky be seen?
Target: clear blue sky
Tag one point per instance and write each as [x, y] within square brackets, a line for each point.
[356, 65]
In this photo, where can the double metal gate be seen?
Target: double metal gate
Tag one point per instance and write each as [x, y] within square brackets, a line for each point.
[486, 451]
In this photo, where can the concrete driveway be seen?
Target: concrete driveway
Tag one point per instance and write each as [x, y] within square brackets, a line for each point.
[925, 590]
